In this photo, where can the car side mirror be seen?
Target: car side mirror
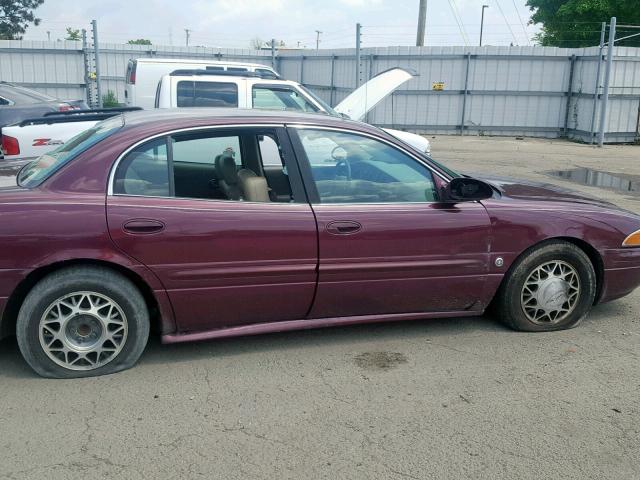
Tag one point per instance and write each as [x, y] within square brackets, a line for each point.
[464, 189]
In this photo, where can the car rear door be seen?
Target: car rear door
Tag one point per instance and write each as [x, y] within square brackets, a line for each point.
[386, 244]
[222, 262]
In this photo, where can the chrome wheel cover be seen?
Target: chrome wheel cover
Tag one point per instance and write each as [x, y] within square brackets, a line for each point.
[550, 293]
[83, 330]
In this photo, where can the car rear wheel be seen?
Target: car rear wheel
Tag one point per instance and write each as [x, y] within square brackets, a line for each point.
[82, 322]
[551, 287]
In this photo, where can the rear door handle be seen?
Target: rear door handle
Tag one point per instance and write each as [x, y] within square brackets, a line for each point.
[345, 227]
[143, 226]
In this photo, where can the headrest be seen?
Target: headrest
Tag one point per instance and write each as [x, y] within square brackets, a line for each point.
[226, 169]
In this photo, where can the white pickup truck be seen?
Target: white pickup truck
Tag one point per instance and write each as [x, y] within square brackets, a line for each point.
[205, 88]
[36, 136]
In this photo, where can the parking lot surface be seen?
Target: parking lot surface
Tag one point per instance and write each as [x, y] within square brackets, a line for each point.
[455, 398]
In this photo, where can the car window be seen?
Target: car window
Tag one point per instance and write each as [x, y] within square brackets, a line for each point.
[144, 171]
[351, 168]
[269, 151]
[207, 94]
[23, 96]
[206, 165]
[205, 150]
[327, 108]
[4, 101]
[280, 98]
[46, 165]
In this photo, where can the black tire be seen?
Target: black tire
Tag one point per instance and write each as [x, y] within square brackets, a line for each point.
[508, 304]
[101, 280]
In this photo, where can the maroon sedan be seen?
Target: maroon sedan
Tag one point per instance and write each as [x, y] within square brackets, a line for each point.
[219, 223]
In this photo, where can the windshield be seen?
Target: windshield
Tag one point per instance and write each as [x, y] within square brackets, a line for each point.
[440, 166]
[41, 168]
[325, 106]
[446, 170]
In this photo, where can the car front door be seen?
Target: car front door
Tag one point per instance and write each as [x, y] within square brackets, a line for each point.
[223, 262]
[387, 245]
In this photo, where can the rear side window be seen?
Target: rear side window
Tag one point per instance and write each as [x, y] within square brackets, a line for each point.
[207, 94]
[144, 171]
[205, 149]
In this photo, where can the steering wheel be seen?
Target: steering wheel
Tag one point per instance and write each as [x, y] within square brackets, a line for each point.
[342, 163]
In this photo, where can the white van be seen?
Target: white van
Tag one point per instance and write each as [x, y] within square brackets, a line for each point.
[143, 75]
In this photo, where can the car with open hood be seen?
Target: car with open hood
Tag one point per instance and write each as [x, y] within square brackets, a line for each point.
[171, 221]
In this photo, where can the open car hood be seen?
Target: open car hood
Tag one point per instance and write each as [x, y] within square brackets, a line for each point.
[367, 96]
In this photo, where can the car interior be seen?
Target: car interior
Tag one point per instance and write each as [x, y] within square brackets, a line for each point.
[352, 169]
[244, 167]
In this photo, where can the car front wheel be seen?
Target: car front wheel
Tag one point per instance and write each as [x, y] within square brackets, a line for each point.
[551, 287]
[82, 321]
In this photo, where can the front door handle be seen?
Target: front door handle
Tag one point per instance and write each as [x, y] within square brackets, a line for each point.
[346, 227]
[143, 226]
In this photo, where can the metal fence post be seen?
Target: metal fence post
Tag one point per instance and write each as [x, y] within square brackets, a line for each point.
[273, 53]
[96, 49]
[332, 93]
[569, 94]
[466, 91]
[358, 59]
[371, 57]
[596, 89]
[607, 79]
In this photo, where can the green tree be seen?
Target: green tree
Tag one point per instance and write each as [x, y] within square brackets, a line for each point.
[72, 34]
[139, 41]
[15, 17]
[576, 23]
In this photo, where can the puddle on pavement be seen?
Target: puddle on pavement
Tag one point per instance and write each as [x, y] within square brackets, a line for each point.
[629, 184]
[380, 360]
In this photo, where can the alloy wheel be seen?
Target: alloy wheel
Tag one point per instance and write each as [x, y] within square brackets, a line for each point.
[550, 293]
[83, 330]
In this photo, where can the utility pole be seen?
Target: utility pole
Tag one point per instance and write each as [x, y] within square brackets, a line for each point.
[596, 88]
[187, 32]
[607, 78]
[422, 22]
[48, 35]
[318, 32]
[358, 60]
[482, 22]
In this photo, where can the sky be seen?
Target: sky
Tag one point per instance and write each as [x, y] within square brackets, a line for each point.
[234, 23]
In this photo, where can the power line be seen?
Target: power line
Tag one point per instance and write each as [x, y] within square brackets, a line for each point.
[458, 21]
[506, 21]
[526, 34]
